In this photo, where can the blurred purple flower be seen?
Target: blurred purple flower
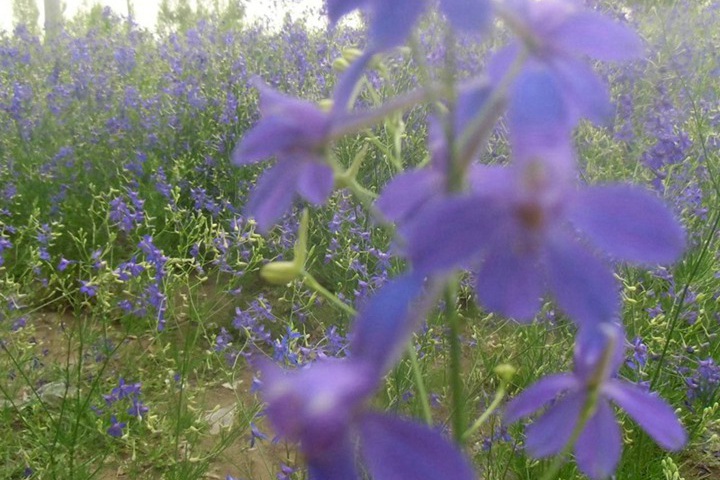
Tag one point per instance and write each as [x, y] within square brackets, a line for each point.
[296, 132]
[585, 406]
[556, 34]
[522, 227]
[323, 406]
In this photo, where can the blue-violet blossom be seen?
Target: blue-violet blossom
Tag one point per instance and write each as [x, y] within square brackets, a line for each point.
[582, 413]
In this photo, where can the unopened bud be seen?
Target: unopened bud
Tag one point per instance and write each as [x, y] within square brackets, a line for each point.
[280, 273]
[340, 65]
[505, 371]
[325, 104]
[351, 54]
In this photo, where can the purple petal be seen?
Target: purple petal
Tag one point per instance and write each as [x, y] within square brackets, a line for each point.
[591, 345]
[599, 445]
[468, 15]
[385, 323]
[537, 395]
[510, 282]
[501, 61]
[259, 143]
[316, 405]
[396, 449]
[593, 34]
[337, 8]
[550, 433]
[392, 22]
[538, 112]
[347, 82]
[273, 194]
[315, 182]
[583, 286]
[586, 94]
[450, 233]
[406, 193]
[652, 413]
[337, 463]
[628, 223]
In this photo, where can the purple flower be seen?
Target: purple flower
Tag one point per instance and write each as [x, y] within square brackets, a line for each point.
[522, 229]
[556, 34]
[116, 428]
[88, 288]
[391, 21]
[583, 412]
[323, 406]
[295, 132]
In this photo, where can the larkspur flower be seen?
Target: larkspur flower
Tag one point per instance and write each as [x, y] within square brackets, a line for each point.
[522, 228]
[296, 133]
[582, 413]
[323, 406]
[390, 24]
[557, 34]
[116, 428]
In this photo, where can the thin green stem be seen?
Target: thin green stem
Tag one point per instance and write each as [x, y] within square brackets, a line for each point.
[420, 385]
[455, 367]
[313, 284]
[499, 395]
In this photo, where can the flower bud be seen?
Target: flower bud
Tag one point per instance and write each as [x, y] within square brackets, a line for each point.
[340, 65]
[280, 273]
[505, 371]
[351, 54]
[325, 104]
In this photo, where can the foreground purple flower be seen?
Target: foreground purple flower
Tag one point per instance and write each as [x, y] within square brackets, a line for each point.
[296, 133]
[583, 414]
[390, 24]
[521, 226]
[557, 34]
[323, 406]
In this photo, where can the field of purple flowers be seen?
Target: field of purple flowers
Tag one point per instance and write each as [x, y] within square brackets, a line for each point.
[155, 271]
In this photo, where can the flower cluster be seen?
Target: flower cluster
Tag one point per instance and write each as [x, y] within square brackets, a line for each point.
[527, 228]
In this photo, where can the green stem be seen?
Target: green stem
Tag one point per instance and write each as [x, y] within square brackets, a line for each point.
[499, 395]
[420, 385]
[313, 284]
[455, 373]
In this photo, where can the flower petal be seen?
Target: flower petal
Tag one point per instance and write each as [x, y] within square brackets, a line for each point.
[550, 433]
[583, 286]
[386, 321]
[405, 194]
[397, 449]
[468, 15]
[628, 223]
[449, 233]
[334, 464]
[587, 96]
[599, 445]
[315, 182]
[652, 413]
[273, 194]
[538, 107]
[509, 282]
[392, 22]
[595, 35]
[537, 395]
[337, 8]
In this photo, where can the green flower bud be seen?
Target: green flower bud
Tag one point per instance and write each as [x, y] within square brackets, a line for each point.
[351, 54]
[340, 65]
[280, 273]
[505, 371]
